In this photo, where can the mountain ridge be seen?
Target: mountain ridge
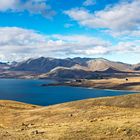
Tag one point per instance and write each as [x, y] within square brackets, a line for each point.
[43, 64]
[76, 67]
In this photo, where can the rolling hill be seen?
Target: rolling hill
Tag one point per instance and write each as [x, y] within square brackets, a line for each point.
[101, 64]
[62, 72]
[136, 67]
[110, 118]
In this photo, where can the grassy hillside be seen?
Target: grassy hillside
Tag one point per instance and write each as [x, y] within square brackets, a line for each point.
[112, 118]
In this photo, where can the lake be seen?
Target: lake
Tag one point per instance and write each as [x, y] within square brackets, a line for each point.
[31, 91]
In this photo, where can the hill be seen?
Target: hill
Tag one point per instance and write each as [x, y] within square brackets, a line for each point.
[70, 73]
[104, 118]
[101, 64]
[44, 65]
[137, 67]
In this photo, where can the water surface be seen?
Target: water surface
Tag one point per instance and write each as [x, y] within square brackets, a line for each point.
[31, 91]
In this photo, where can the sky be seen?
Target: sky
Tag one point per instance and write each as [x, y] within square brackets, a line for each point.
[72, 28]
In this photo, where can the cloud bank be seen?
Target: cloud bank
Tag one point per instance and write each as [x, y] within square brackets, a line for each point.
[18, 43]
[121, 19]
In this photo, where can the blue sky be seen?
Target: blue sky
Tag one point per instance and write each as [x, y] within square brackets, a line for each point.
[86, 28]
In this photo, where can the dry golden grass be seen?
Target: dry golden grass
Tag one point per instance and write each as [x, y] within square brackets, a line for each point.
[112, 118]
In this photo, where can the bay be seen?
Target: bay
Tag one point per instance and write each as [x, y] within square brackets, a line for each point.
[31, 91]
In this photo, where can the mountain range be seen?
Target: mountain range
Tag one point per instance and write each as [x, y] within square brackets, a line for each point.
[4, 66]
[70, 67]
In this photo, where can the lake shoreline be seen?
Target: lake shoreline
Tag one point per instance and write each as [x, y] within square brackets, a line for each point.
[106, 84]
[31, 92]
[88, 87]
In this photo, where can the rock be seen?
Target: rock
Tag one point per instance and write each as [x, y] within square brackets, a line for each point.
[27, 125]
[119, 130]
[127, 131]
[94, 120]
[30, 125]
[6, 134]
[36, 132]
[22, 129]
[23, 124]
[100, 120]
[108, 133]
[71, 115]
[107, 118]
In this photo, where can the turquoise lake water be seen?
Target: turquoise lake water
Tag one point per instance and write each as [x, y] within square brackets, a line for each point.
[31, 91]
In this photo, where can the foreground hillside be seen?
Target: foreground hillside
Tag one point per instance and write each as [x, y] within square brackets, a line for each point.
[113, 118]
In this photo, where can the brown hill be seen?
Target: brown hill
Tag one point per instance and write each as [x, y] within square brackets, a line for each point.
[110, 118]
[103, 64]
[137, 67]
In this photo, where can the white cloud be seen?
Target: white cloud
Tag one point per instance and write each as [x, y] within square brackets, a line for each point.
[18, 44]
[7, 4]
[32, 6]
[89, 2]
[97, 50]
[81, 40]
[122, 17]
[128, 47]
